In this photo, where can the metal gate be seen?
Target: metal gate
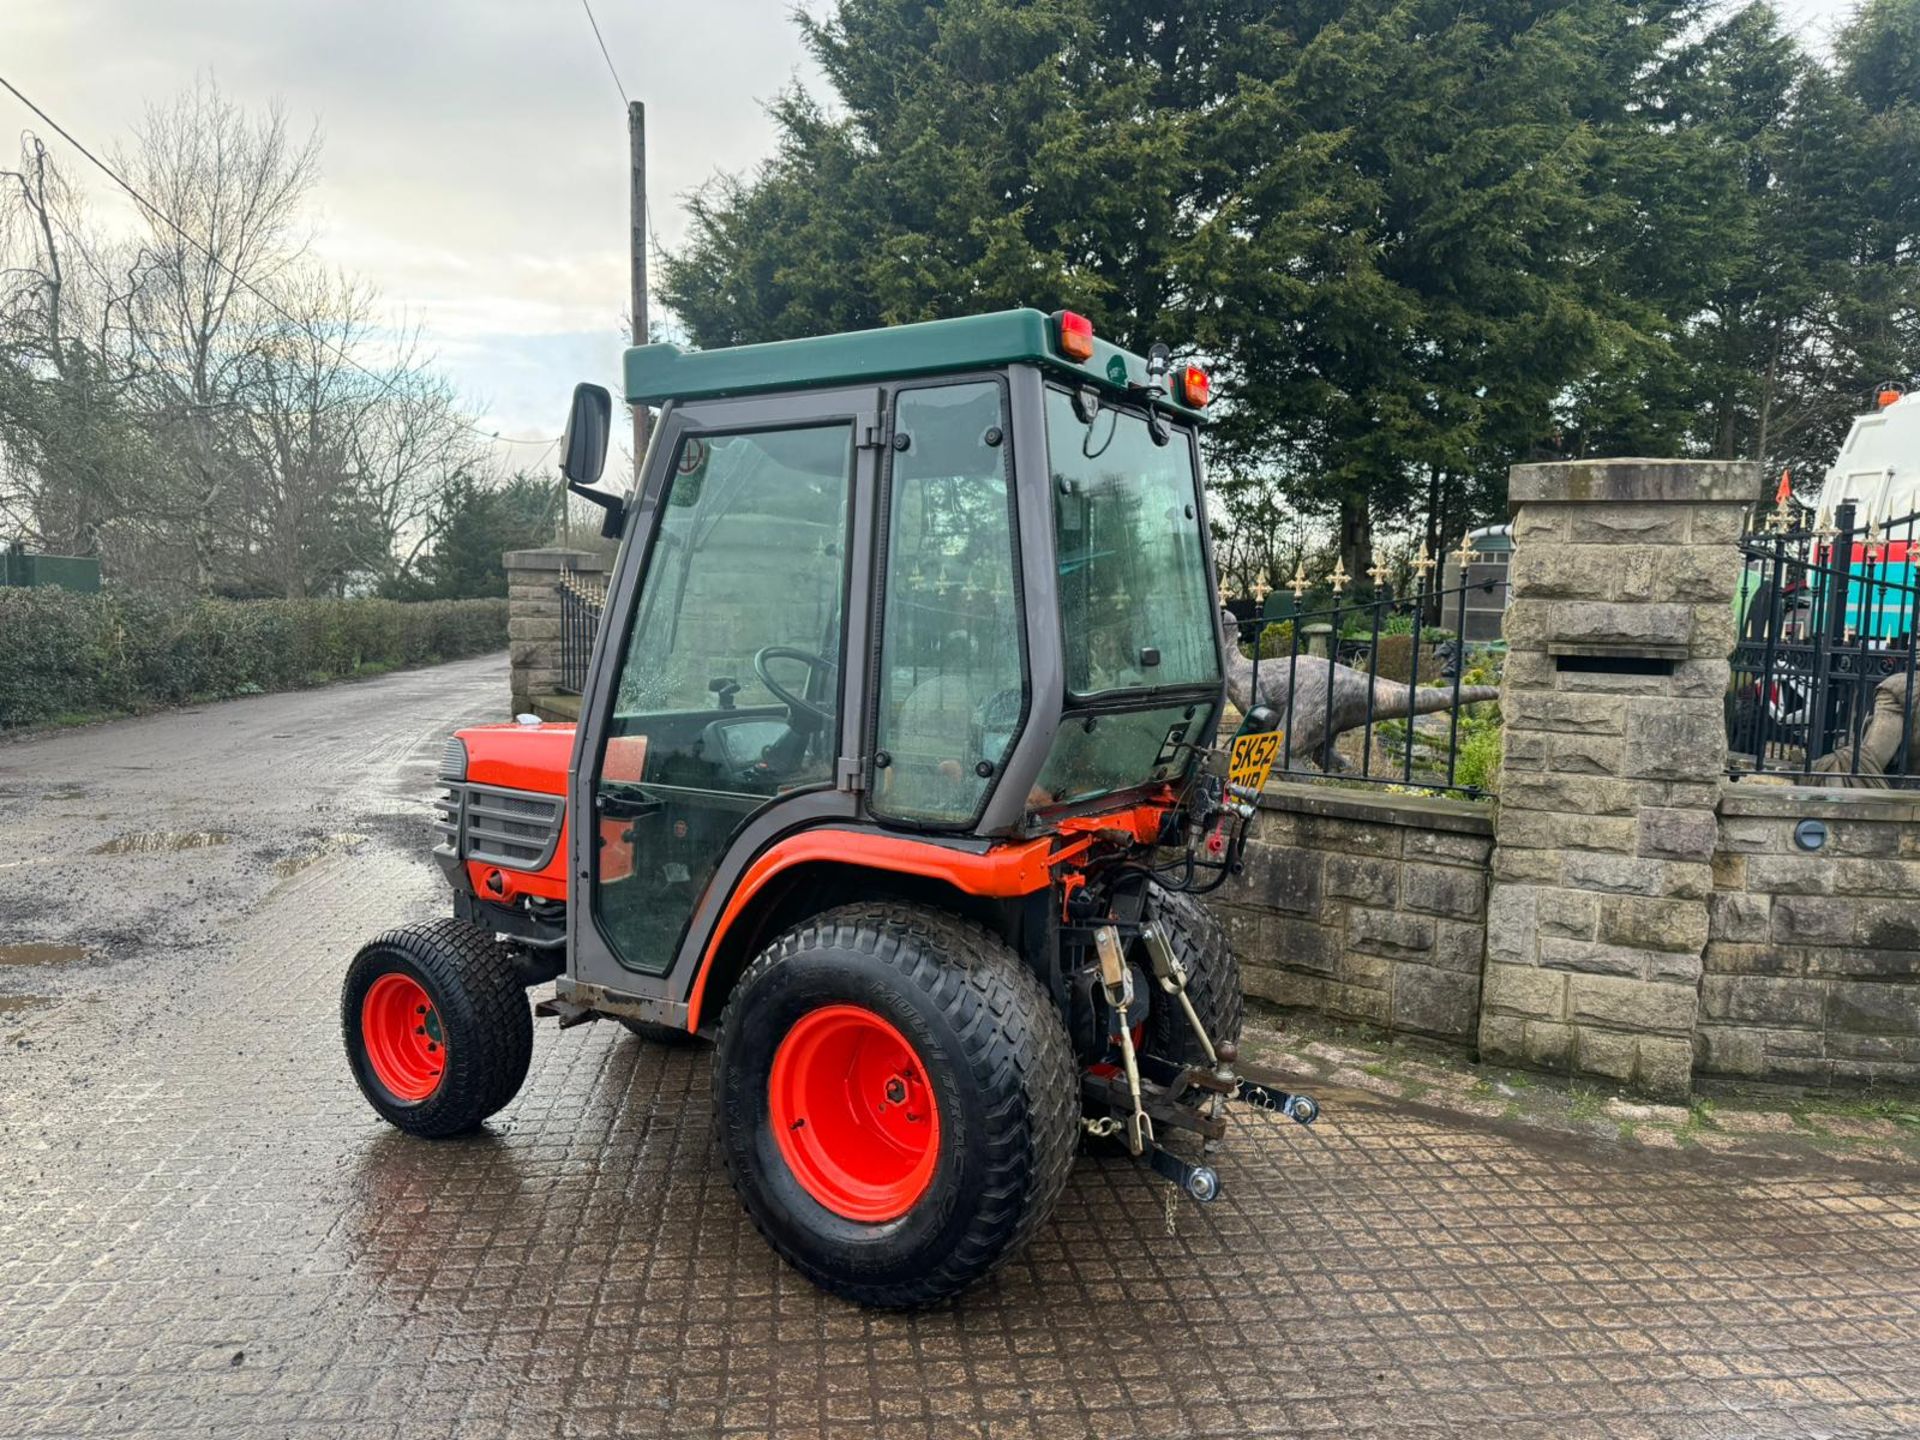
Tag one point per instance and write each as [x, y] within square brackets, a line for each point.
[582, 600]
[1823, 668]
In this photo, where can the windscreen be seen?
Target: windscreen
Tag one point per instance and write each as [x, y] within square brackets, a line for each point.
[1134, 604]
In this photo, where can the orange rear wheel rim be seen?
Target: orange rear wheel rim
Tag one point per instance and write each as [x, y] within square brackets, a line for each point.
[401, 1031]
[853, 1113]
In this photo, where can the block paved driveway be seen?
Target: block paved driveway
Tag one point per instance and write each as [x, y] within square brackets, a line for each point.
[204, 1231]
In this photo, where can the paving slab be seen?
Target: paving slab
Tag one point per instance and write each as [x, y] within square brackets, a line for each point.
[204, 1231]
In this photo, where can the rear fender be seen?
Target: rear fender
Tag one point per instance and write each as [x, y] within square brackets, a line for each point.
[815, 870]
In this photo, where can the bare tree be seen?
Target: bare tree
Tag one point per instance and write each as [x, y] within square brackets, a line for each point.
[207, 407]
[405, 453]
[71, 455]
[294, 497]
[227, 189]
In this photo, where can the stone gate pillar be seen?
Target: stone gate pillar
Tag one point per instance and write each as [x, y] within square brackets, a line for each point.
[1620, 627]
[533, 620]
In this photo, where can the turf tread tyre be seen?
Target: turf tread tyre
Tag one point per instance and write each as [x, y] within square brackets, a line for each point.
[482, 1006]
[1010, 1039]
[1213, 979]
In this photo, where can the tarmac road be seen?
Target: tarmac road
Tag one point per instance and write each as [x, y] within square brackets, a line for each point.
[205, 1231]
[139, 840]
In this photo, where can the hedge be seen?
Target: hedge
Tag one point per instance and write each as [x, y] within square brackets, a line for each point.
[65, 654]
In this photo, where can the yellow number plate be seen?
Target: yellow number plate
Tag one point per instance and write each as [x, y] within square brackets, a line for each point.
[1251, 759]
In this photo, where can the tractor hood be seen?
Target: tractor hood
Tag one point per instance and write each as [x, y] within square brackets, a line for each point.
[514, 757]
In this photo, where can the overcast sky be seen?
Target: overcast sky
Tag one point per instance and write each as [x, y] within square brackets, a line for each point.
[475, 163]
[475, 160]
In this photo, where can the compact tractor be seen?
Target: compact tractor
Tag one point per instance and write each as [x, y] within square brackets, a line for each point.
[896, 776]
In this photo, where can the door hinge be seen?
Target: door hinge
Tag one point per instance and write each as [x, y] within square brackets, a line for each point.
[851, 774]
[873, 435]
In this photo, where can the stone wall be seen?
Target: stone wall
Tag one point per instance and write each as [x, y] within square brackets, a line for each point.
[1813, 955]
[1365, 907]
[533, 625]
[1624, 913]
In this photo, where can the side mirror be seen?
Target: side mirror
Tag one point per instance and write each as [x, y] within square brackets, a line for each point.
[583, 449]
[583, 454]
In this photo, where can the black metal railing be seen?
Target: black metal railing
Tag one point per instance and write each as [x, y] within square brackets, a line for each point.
[1379, 687]
[581, 602]
[1823, 665]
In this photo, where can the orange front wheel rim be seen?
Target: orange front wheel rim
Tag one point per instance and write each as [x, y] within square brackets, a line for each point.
[853, 1113]
[405, 1043]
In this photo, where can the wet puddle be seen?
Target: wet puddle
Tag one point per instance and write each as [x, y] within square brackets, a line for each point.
[323, 847]
[41, 954]
[152, 842]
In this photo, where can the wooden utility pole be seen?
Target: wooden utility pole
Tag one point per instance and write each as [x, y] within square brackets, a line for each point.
[637, 145]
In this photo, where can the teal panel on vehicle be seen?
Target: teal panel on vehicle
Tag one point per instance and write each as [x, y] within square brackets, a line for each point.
[656, 374]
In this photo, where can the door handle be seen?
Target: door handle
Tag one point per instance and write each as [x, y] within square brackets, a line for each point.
[625, 804]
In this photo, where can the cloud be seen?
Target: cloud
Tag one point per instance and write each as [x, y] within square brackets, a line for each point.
[475, 161]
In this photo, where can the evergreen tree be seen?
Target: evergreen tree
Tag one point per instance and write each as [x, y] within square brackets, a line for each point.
[1419, 241]
[475, 525]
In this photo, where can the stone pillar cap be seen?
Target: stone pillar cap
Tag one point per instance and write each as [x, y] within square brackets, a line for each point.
[554, 557]
[1636, 482]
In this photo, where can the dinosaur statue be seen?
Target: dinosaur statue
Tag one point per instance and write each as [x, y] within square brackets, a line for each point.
[1890, 728]
[1314, 727]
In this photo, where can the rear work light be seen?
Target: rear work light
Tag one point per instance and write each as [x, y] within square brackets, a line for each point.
[1076, 336]
[1196, 389]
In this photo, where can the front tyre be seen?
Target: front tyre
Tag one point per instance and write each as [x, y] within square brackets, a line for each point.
[437, 1027]
[896, 1100]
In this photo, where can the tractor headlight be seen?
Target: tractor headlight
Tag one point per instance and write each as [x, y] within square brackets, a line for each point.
[453, 760]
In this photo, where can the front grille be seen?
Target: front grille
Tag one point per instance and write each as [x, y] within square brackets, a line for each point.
[514, 828]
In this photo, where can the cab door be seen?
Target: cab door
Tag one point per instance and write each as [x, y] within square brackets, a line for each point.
[721, 703]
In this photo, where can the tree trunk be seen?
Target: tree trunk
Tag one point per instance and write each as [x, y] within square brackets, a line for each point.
[1435, 541]
[1766, 397]
[1356, 538]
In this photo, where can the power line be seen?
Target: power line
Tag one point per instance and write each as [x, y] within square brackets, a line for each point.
[157, 213]
[603, 53]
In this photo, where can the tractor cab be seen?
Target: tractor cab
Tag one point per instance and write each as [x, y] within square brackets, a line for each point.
[905, 697]
[933, 589]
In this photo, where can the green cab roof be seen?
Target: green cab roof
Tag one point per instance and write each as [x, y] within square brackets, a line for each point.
[656, 374]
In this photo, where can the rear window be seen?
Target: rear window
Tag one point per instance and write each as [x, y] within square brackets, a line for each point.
[1135, 608]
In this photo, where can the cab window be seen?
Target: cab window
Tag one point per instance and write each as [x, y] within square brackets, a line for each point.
[1135, 608]
[728, 692]
[951, 697]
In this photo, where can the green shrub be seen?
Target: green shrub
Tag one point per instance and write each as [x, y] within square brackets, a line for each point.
[1479, 760]
[68, 654]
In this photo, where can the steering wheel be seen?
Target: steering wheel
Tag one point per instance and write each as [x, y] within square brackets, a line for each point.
[797, 706]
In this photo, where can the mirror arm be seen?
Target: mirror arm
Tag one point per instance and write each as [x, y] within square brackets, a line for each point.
[614, 523]
[605, 499]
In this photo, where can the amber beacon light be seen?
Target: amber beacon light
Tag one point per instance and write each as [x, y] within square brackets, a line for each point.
[1076, 336]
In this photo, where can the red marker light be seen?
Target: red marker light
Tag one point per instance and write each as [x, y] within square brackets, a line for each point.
[1886, 397]
[1196, 389]
[1076, 336]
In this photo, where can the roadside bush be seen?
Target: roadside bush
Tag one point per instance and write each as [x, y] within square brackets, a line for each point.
[65, 654]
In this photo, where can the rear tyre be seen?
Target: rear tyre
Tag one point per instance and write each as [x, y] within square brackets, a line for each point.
[1199, 940]
[437, 1027]
[671, 1036]
[896, 1101]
